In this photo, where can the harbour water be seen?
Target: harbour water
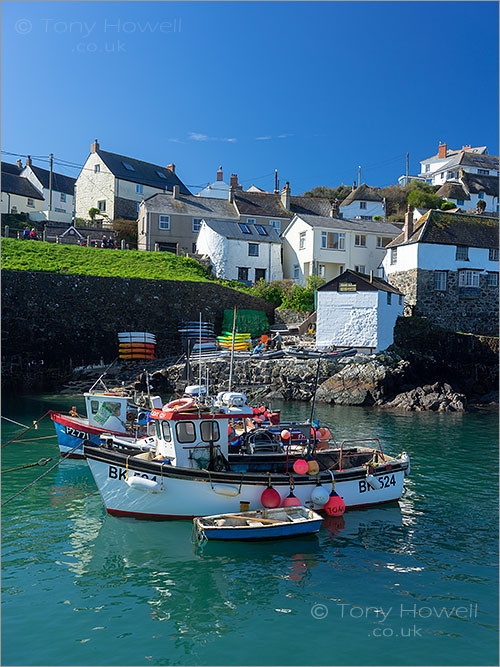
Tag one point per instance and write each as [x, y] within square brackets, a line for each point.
[414, 583]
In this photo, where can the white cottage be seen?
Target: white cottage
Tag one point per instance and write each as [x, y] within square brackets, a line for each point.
[357, 310]
[240, 250]
[363, 203]
[59, 201]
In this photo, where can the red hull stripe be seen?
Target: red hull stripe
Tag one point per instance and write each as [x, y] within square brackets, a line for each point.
[176, 517]
[67, 421]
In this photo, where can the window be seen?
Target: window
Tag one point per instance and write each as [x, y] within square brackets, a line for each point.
[333, 240]
[128, 166]
[138, 206]
[389, 298]
[276, 224]
[468, 278]
[101, 205]
[483, 171]
[193, 247]
[161, 175]
[244, 228]
[209, 431]
[251, 221]
[427, 168]
[97, 168]
[480, 195]
[62, 196]
[365, 217]
[440, 279]
[165, 431]
[394, 255]
[296, 272]
[341, 269]
[261, 230]
[139, 189]
[360, 268]
[302, 240]
[322, 270]
[60, 210]
[164, 222]
[400, 299]
[493, 255]
[360, 240]
[260, 274]
[31, 202]
[253, 249]
[242, 273]
[492, 279]
[382, 241]
[196, 224]
[185, 431]
[460, 202]
[462, 253]
[362, 204]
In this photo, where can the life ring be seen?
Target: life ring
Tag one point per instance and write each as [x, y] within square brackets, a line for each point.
[179, 404]
[130, 416]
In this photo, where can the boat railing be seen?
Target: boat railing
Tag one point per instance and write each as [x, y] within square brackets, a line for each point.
[357, 442]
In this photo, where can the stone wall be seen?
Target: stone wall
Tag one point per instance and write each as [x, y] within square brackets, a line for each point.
[470, 310]
[53, 317]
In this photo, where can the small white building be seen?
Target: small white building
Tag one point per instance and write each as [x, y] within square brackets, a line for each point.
[59, 206]
[241, 251]
[219, 189]
[357, 310]
[446, 165]
[363, 203]
[469, 189]
[19, 195]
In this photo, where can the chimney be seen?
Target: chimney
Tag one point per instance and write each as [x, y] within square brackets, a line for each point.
[94, 147]
[175, 192]
[234, 181]
[408, 226]
[28, 161]
[171, 167]
[371, 276]
[354, 186]
[220, 176]
[285, 196]
[19, 164]
[464, 148]
[276, 183]
[230, 195]
[442, 150]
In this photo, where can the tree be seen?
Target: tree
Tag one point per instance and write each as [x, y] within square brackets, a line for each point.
[339, 192]
[419, 198]
[93, 212]
[126, 231]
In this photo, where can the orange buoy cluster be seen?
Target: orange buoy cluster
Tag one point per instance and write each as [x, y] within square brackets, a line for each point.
[136, 345]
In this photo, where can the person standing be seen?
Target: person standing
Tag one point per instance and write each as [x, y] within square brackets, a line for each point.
[33, 234]
[26, 234]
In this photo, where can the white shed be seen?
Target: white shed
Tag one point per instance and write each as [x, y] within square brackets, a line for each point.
[357, 310]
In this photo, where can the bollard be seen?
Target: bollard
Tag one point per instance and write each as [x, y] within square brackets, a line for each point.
[44, 235]
[6, 232]
[19, 235]
[157, 247]
[123, 244]
[58, 240]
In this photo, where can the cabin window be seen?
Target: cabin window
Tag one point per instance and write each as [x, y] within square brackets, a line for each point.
[166, 433]
[186, 431]
[209, 431]
[94, 407]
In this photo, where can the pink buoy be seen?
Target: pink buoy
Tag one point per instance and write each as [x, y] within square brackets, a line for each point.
[301, 466]
[285, 435]
[324, 434]
[291, 501]
[335, 505]
[312, 468]
[270, 498]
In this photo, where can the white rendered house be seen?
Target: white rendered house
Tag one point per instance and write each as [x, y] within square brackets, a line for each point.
[241, 251]
[363, 203]
[357, 310]
[58, 207]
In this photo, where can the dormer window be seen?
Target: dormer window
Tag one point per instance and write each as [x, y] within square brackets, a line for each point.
[244, 228]
[261, 230]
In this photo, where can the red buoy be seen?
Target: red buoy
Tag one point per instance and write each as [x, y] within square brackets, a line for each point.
[291, 501]
[335, 505]
[270, 498]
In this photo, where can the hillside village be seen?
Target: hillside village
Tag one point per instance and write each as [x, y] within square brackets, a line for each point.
[440, 263]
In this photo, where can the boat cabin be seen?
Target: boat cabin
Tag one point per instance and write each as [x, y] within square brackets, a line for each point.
[115, 410]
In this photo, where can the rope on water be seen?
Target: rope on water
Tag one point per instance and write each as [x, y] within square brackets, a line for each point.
[42, 475]
[34, 425]
[14, 422]
[42, 437]
[40, 462]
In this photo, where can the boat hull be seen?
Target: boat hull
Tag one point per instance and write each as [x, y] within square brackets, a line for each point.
[73, 431]
[183, 493]
[263, 532]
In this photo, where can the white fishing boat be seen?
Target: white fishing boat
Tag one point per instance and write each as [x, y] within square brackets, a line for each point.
[259, 525]
[190, 471]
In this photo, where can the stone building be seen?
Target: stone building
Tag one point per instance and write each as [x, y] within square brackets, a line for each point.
[446, 265]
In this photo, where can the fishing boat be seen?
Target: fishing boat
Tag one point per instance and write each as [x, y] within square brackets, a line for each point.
[190, 470]
[259, 525]
[121, 413]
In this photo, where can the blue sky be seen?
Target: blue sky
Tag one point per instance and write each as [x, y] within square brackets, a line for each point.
[313, 89]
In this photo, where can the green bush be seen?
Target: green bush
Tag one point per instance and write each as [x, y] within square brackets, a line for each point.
[287, 294]
[447, 205]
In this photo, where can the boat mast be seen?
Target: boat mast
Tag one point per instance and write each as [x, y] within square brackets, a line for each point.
[315, 390]
[200, 357]
[232, 351]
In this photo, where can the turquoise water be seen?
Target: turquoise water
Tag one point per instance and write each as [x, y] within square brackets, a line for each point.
[408, 584]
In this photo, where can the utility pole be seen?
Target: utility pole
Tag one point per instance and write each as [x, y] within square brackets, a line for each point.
[407, 166]
[359, 176]
[51, 156]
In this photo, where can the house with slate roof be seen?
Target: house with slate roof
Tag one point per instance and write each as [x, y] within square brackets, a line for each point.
[327, 246]
[446, 165]
[63, 192]
[116, 184]
[219, 189]
[363, 203]
[19, 195]
[469, 189]
[446, 265]
[241, 251]
[357, 310]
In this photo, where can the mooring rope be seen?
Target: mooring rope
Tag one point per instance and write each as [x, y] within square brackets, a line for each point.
[35, 425]
[40, 462]
[42, 437]
[42, 475]
[14, 422]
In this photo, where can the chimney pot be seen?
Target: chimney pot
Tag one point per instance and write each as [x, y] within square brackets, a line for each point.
[19, 164]
[220, 174]
[175, 192]
[285, 196]
[28, 161]
[354, 186]
[442, 150]
[234, 181]
[371, 276]
[408, 227]
[94, 147]
[171, 167]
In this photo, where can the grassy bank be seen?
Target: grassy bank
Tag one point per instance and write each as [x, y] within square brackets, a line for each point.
[20, 255]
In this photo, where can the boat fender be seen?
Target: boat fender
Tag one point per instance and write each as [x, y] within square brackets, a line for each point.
[406, 458]
[143, 484]
[373, 482]
[130, 416]
[225, 489]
